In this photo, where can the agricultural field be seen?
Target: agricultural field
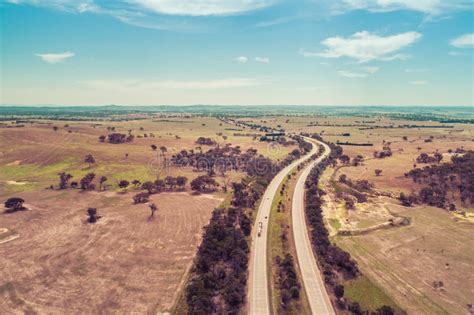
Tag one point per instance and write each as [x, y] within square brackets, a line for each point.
[419, 256]
[32, 156]
[129, 261]
[413, 259]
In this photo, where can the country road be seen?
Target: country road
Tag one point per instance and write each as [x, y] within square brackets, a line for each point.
[311, 276]
[258, 295]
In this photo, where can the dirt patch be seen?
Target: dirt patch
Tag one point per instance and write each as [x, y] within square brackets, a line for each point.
[12, 182]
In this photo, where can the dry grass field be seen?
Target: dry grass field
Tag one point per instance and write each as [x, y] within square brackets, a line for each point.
[403, 262]
[31, 157]
[54, 262]
[125, 262]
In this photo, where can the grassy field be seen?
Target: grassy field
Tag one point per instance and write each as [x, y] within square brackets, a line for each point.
[369, 296]
[31, 157]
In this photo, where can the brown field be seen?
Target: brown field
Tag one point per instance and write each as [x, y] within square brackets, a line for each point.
[402, 261]
[405, 261]
[31, 157]
[56, 262]
[124, 262]
[53, 262]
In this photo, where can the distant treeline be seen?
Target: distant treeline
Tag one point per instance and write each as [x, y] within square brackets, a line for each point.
[407, 127]
[173, 121]
[445, 114]
[355, 144]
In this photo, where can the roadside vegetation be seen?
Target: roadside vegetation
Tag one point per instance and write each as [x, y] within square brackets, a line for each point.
[337, 265]
[218, 282]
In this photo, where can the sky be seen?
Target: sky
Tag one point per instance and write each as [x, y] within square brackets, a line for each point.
[248, 52]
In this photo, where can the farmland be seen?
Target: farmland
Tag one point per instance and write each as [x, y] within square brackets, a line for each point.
[414, 259]
[128, 261]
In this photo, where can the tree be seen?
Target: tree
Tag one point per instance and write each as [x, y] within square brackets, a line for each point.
[89, 159]
[170, 181]
[159, 185]
[203, 183]
[63, 180]
[86, 182]
[136, 183]
[378, 172]
[148, 186]
[142, 197]
[163, 150]
[124, 184]
[154, 147]
[92, 213]
[102, 138]
[153, 208]
[102, 180]
[385, 310]
[14, 204]
[343, 178]
[345, 159]
[116, 138]
[181, 181]
[55, 128]
[339, 291]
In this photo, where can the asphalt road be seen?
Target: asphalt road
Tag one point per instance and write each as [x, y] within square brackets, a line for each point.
[311, 276]
[259, 299]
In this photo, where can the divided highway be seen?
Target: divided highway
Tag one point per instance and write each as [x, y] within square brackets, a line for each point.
[311, 276]
[259, 299]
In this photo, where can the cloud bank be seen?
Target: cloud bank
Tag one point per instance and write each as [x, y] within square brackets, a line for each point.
[364, 46]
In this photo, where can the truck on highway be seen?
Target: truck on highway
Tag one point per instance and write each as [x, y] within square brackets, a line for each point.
[259, 229]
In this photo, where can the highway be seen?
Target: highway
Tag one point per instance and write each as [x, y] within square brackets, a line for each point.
[258, 294]
[311, 276]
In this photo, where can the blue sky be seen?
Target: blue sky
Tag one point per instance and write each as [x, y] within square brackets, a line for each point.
[321, 52]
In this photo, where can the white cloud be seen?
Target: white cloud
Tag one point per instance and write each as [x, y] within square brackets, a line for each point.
[416, 70]
[401, 57]
[463, 41]
[430, 7]
[175, 15]
[419, 82]
[242, 59]
[173, 84]
[363, 73]
[352, 75]
[203, 7]
[55, 58]
[262, 59]
[364, 46]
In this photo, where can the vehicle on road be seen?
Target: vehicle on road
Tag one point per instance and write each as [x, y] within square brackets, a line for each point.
[260, 228]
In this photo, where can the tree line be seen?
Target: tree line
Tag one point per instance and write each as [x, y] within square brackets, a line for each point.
[335, 263]
[219, 276]
[443, 182]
